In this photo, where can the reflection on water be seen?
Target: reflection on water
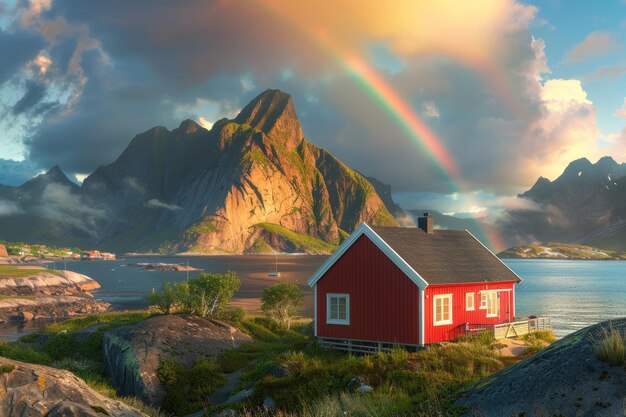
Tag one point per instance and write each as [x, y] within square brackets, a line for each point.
[574, 293]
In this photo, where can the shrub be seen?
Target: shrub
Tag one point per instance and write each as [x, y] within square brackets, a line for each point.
[61, 345]
[281, 302]
[610, 347]
[185, 389]
[204, 296]
[233, 314]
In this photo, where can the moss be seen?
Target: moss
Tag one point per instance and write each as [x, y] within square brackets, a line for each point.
[9, 271]
[260, 246]
[99, 410]
[5, 369]
[384, 218]
[301, 241]
[201, 227]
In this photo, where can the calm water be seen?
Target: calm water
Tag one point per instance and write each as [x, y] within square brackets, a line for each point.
[574, 293]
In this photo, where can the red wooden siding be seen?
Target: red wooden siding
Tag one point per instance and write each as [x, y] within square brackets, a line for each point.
[383, 301]
[460, 315]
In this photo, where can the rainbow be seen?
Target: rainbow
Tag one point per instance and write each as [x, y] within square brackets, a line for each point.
[376, 87]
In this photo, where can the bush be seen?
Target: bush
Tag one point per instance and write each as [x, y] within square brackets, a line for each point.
[610, 347]
[204, 296]
[281, 302]
[61, 345]
[233, 314]
[185, 389]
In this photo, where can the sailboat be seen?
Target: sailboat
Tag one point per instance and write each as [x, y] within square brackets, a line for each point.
[275, 272]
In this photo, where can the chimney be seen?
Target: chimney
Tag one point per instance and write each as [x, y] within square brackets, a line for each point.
[426, 223]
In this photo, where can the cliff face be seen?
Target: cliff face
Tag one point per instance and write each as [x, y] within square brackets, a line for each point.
[217, 191]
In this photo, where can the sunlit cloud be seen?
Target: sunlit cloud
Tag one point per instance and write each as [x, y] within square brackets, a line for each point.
[595, 44]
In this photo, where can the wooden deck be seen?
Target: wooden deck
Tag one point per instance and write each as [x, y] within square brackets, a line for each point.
[514, 329]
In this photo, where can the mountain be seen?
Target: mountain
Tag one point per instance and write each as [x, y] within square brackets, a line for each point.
[552, 250]
[384, 192]
[250, 184]
[585, 204]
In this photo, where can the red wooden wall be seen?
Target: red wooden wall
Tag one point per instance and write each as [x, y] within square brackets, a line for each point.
[460, 316]
[383, 301]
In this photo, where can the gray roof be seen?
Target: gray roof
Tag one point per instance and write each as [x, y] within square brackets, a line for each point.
[445, 256]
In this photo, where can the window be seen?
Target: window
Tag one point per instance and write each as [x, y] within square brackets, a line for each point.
[469, 301]
[442, 305]
[338, 308]
[483, 300]
[493, 304]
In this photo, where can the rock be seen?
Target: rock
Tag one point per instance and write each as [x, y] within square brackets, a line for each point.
[365, 388]
[269, 403]
[240, 396]
[22, 309]
[52, 282]
[38, 391]
[278, 371]
[566, 378]
[26, 316]
[132, 354]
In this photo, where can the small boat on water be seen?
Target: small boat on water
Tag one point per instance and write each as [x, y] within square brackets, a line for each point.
[275, 272]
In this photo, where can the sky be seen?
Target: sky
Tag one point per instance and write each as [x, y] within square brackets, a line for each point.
[458, 105]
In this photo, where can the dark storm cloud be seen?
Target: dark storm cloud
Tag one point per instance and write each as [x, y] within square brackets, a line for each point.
[17, 48]
[35, 92]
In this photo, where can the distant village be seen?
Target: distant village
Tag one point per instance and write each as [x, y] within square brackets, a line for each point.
[43, 251]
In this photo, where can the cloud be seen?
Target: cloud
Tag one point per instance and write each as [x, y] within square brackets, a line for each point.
[35, 92]
[621, 112]
[16, 49]
[154, 203]
[610, 73]
[429, 109]
[65, 208]
[8, 208]
[16, 172]
[594, 45]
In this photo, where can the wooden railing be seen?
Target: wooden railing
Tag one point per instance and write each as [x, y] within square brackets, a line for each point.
[504, 330]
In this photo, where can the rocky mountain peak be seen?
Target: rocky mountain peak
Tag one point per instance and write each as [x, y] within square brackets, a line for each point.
[54, 175]
[188, 126]
[273, 113]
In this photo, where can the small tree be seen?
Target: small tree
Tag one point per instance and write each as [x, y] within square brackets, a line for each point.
[205, 296]
[211, 292]
[281, 302]
[163, 300]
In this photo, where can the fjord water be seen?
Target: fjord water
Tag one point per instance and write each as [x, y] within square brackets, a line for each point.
[574, 293]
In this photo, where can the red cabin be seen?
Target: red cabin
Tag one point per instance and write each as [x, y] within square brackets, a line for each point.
[387, 286]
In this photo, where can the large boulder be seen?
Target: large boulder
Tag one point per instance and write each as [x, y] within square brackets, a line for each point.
[38, 391]
[565, 379]
[132, 354]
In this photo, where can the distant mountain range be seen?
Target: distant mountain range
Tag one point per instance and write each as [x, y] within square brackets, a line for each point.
[252, 184]
[586, 204]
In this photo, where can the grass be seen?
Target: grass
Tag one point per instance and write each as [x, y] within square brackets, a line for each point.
[302, 241]
[111, 319]
[539, 340]
[10, 271]
[610, 347]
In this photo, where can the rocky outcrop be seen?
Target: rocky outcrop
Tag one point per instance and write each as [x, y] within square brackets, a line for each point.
[565, 379]
[62, 306]
[132, 354]
[199, 191]
[43, 293]
[38, 391]
[47, 282]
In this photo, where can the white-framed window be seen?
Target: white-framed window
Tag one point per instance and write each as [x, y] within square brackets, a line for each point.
[338, 309]
[469, 301]
[493, 304]
[442, 309]
[483, 300]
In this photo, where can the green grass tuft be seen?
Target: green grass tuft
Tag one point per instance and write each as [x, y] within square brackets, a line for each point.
[302, 241]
